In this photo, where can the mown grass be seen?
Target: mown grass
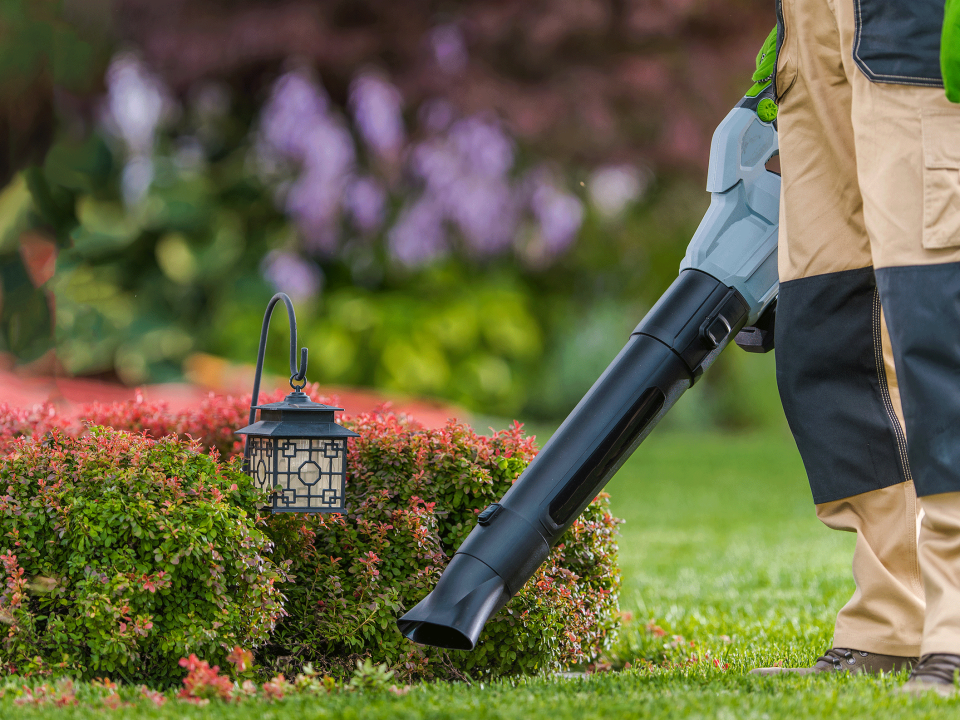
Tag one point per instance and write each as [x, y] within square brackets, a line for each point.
[720, 548]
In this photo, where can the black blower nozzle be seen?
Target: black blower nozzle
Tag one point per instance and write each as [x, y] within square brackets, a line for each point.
[677, 340]
[453, 615]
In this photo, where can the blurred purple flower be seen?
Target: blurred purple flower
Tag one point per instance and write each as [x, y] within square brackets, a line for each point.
[328, 149]
[295, 106]
[136, 103]
[559, 214]
[437, 163]
[483, 146]
[472, 147]
[613, 187]
[376, 106]
[366, 201]
[465, 167]
[485, 210]
[135, 180]
[313, 200]
[418, 235]
[435, 115]
[287, 272]
[449, 48]
[297, 124]
[466, 175]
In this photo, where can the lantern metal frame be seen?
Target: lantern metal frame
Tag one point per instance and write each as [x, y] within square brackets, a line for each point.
[296, 440]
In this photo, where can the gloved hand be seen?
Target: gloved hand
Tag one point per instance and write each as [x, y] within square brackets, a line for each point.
[763, 76]
[950, 50]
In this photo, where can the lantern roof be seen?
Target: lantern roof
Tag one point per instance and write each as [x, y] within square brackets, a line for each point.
[297, 401]
[297, 416]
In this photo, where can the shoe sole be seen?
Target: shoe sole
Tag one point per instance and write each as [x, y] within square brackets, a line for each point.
[921, 689]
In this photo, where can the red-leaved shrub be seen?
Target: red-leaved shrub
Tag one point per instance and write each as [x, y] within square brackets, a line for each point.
[211, 423]
[412, 497]
[38, 420]
[204, 683]
[135, 552]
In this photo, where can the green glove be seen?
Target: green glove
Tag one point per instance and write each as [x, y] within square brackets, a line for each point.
[763, 76]
[950, 50]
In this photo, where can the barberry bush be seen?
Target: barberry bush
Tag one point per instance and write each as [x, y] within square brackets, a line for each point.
[412, 497]
[122, 554]
[210, 422]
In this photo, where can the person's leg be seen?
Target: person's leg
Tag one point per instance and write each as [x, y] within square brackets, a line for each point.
[885, 614]
[885, 558]
[908, 148]
[940, 558]
[837, 385]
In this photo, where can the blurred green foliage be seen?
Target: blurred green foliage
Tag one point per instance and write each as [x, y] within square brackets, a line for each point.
[140, 286]
[37, 40]
[39, 50]
[43, 45]
[25, 320]
[137, 290]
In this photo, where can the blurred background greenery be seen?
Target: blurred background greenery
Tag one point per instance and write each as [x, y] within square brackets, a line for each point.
[470, 200]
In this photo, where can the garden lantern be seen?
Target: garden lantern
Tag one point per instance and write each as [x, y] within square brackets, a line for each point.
[296, 450]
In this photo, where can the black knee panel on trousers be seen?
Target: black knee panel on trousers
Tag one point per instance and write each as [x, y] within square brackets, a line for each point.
[922, 307]
[833, 387]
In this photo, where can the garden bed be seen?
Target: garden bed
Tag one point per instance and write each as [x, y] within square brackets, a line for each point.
[132, 540]
[720, 549]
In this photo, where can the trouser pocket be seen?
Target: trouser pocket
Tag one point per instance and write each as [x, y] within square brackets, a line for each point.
[941, 178]
[786, 67]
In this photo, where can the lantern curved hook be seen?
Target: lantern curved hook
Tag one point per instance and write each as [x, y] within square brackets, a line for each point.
[297, 374]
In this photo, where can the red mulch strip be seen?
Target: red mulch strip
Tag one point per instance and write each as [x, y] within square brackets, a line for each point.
[69, 395]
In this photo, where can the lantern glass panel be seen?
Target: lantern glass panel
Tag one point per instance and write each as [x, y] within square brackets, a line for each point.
[307, 473]
[261, 461]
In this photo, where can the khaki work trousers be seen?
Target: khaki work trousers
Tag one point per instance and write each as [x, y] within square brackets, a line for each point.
[871, 179]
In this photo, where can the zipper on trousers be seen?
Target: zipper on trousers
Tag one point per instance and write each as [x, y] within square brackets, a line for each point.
[885, 389]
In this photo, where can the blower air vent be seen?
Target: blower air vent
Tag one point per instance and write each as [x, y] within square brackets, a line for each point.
[605, 460]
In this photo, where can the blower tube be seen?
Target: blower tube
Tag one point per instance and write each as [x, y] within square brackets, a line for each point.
[727, 280]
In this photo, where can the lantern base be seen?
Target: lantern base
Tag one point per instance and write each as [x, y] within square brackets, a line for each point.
[275, 510]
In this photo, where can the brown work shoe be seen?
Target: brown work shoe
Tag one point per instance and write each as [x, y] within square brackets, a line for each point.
[936, 672]
[844, 660]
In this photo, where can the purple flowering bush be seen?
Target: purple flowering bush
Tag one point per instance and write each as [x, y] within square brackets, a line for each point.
[376, 222]
[464, 193]
[427, 251]
[336, 150]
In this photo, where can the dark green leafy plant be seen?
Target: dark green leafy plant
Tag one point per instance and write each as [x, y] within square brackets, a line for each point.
[123, 554]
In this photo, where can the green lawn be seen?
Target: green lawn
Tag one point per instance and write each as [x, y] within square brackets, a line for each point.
[720, 546]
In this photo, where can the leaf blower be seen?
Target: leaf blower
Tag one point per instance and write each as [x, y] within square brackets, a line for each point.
[727, 289]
